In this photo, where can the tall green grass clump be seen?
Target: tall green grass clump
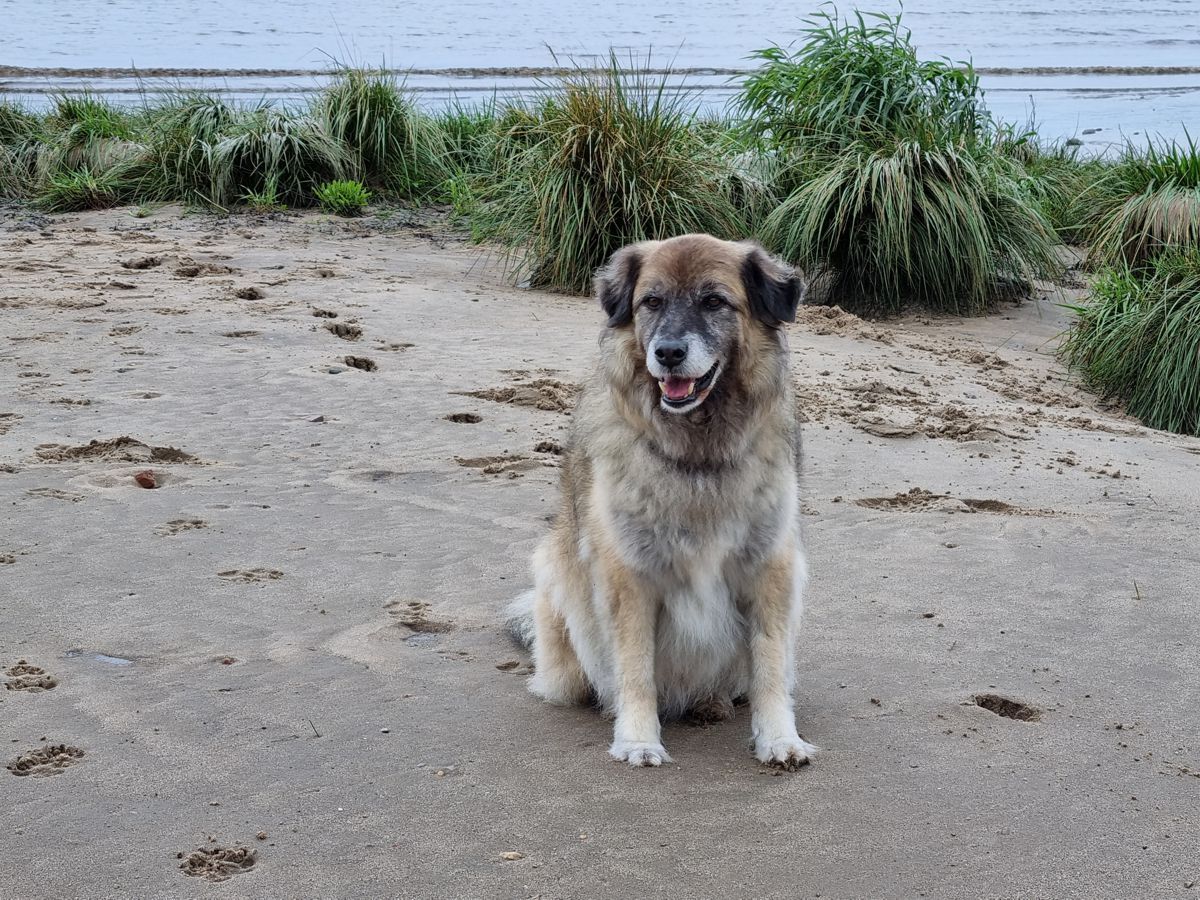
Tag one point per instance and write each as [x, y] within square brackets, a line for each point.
[1149, 203]
[288, 153]
[391, 146]
[17, 125]
[892, 186]
[607, 158]
[19, 131]
[1063, 184]
[470, 133]
[856, 79]
[1138, 339]
[79, 189]
[181, 136]
[86, 154]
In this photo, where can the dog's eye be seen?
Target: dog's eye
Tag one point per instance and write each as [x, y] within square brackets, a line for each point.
[652, 302]
[713, 301]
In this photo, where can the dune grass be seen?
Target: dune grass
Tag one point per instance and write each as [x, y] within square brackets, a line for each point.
[470, 133]
[1063, 185]
[287, 150]
[73, 190]
[16, 124]
[607, 158]
[1147, 203]
[390, 144]
[905, 224]
[849, 155]
[856, 79]
[180, 136]
[894, 184]
[1137, 339]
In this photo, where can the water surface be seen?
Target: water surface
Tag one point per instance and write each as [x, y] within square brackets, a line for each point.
[1051, 45]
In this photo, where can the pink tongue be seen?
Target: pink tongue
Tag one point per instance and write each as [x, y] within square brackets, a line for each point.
[678, 388]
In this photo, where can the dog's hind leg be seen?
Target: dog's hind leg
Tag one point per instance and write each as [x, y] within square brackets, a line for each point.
[558, 677]
[774, 600]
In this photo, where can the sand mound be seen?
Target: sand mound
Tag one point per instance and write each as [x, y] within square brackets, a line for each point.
[119, 449]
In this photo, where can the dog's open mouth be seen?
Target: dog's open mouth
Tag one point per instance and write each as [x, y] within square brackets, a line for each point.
[678, 393]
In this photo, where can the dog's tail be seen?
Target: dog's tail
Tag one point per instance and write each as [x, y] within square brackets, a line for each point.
[519, 619]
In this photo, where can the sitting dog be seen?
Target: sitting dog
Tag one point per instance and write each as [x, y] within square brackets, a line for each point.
[672, 580]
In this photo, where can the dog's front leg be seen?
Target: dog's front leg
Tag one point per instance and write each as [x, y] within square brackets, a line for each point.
[773, 598]
[637, 736]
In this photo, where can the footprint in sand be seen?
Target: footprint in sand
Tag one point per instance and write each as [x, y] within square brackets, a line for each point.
[191, 269]
[512, 466]
[142, 262]
[413, 615]
[41, 762]
[463, 418]
[55, 494]
[245, 333]
[345, 330]
[547, 394]
[251, 576]
[26, 677]
[365, 363]
[217, 863]
[7, 421]
[7, 559]
[176, 526]
[249, 293]
[71, 401]
[920, 500]
[324, 313]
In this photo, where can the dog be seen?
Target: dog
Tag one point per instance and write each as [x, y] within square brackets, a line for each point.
[671, 582]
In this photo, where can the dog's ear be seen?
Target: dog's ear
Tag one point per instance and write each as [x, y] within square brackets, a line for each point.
[615, 282]
[773, 288]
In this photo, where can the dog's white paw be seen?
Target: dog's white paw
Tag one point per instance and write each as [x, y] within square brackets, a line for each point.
[785, 751]
[639, 753]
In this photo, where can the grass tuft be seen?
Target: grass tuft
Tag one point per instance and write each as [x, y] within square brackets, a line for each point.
[857, 79]
[1138, 340]
[16, 124]
[1148, 203]
[181, 136]
[895, 184]
[343, 198]
[79, 189]
[606, 159]
[288, 153]
[389, 144]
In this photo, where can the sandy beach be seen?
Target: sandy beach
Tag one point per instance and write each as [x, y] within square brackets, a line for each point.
[292, 643]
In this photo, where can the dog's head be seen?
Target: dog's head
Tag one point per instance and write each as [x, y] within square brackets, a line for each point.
[693, 304]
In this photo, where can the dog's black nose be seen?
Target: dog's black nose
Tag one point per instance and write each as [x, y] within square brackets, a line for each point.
[670, 353]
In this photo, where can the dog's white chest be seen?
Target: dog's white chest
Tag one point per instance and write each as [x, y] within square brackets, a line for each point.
[700, 642]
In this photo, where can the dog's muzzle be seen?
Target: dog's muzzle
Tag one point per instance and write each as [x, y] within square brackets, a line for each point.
[678, 393]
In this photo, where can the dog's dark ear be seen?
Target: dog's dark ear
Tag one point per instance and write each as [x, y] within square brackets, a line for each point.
[773, 288]
[615, 283]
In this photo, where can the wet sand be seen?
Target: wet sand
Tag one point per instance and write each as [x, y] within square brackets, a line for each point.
[282, 667]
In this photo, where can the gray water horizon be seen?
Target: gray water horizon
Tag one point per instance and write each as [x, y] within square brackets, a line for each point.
[1102, 71]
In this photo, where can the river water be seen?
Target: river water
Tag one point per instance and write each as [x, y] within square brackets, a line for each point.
[1038, 59]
